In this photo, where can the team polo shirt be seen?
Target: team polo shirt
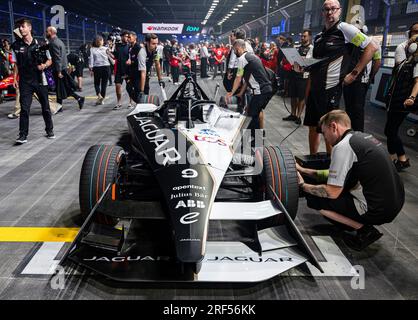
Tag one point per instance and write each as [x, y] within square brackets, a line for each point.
[335, 45]
[251, 68]
[359, 158]
[146, 59]
[24, 56]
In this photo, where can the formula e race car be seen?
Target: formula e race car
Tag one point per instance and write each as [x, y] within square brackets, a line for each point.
[186, 201]
[7, 91]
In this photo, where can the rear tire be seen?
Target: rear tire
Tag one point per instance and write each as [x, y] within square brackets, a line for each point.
[100, 167]
[279, 172]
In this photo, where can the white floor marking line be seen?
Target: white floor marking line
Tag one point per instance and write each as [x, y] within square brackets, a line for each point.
[336, 265]
[43, 262]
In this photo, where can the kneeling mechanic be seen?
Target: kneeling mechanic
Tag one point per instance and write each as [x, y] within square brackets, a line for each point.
[362, 189]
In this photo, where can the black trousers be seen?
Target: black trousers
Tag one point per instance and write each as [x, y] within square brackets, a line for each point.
[393, 123]
[175, 72]
[257, 104]
[132, 86]
[146, 87]
[101, 77]
[166, 67]
[355, 99]
[194, 68]
[26, 97]
[204, 68]
[218, 67]
[110, 74]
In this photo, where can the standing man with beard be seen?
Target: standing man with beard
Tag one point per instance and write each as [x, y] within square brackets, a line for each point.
[334, 45]
[65, 85]
[148, 55]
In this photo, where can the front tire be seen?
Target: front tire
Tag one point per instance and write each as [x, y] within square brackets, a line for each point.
[279, 172]
[100, 167]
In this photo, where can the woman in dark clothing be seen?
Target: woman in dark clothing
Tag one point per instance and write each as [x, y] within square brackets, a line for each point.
[400, 101]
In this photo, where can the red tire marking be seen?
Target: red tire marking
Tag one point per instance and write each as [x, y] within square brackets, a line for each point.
[271, 166]
[105, 171]
[280, 175]
[98, 174]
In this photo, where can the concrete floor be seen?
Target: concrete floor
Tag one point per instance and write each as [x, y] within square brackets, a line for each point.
[39, 188]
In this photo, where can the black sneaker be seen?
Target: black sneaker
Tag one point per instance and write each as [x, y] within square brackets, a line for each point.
[50, 135]
[117, 107]
[21, 140]
[401, 165]
[298, 121]
[290, 118]
[81, 102]
[363, 238]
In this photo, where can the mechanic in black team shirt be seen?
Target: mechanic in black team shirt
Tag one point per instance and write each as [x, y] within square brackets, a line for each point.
[31, 62]
[362, 187]
[148, 56]
[251, 69]
[334, 44]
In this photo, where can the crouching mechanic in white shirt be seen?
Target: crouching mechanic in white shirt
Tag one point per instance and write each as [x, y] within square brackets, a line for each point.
[357, 160]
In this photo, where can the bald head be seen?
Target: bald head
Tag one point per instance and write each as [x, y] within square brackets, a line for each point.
[332, 2]
[51, 32]
[239, 47]
[331, 12]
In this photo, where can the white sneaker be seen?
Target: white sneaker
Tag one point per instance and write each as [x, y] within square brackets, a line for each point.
[13, 116]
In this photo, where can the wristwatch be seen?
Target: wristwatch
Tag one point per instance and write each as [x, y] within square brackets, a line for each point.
[412, 98]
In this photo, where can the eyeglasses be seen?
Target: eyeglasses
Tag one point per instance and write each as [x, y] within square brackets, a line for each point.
[332, 10]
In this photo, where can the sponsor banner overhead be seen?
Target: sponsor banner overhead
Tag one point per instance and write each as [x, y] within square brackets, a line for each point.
[162, 28]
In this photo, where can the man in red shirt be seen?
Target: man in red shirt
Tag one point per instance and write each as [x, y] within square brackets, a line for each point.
[219, 60]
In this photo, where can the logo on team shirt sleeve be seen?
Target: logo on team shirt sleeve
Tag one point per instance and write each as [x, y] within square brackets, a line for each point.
[358, 39]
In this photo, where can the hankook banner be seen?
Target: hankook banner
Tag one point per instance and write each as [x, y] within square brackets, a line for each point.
[162, 28]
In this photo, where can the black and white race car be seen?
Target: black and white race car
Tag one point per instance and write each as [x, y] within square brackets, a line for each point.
[182, 202]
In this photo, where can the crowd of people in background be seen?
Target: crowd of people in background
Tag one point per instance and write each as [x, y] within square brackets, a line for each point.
[114, 59]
